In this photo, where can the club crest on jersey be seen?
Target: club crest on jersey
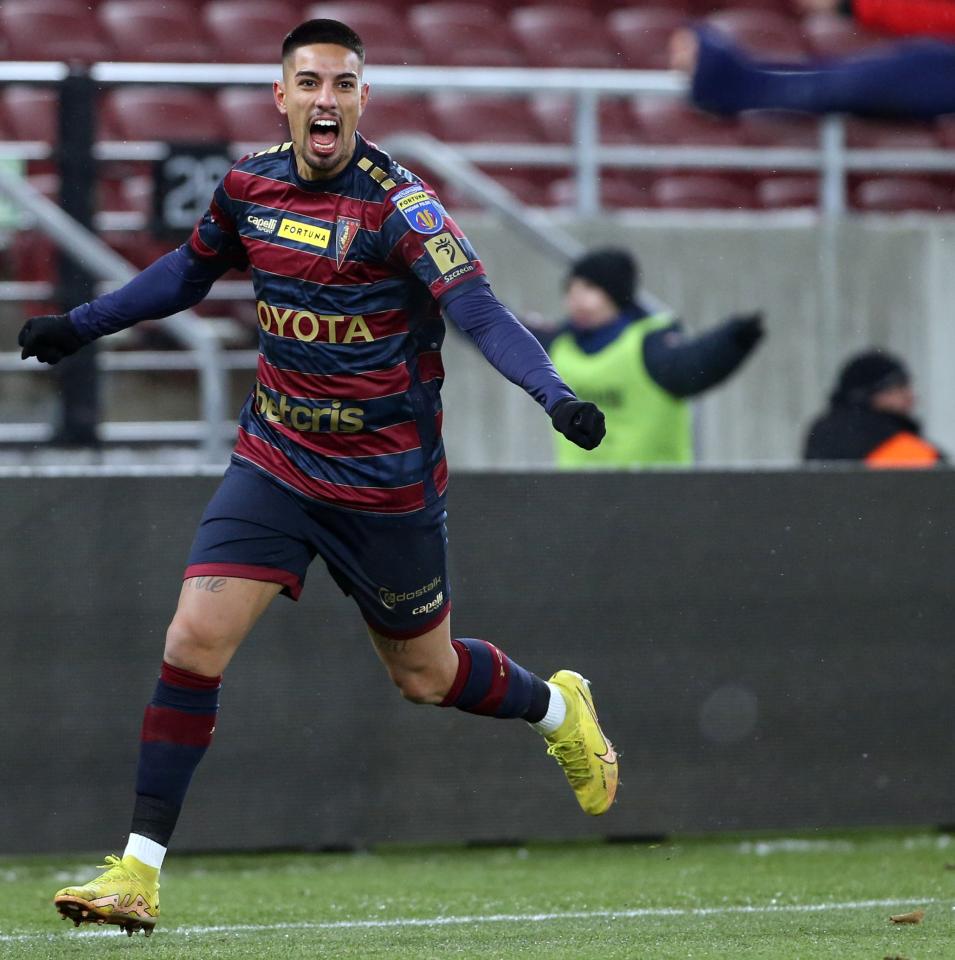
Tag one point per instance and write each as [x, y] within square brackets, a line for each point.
[346, 229]
[423, 213]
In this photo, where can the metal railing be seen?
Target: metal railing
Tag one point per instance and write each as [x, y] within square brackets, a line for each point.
[586, 155]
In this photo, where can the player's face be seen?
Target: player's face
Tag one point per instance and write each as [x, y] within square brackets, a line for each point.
[589, 306]
[322, 96]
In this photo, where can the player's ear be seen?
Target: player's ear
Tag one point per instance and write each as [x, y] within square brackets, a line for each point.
[278, 94]
[363, 102]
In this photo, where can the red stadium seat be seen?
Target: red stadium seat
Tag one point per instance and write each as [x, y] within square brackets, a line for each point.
[897, 194]
[388, 114]
[529, 186]
[554, 36]
[618, 190]
[468, 118]
[642, 34]
[556, 114]
[830, 35]
[703, 8]
[32, 112]
[462, 34]
[52, 30]
[175, 114]
[663, 120]
[383, 30]
[143, 30]
[779, 128]
[765, 33]
[890, 135]
[249, 31]
[774, 193]
[700, 191]
[945, 130]
[251, 117]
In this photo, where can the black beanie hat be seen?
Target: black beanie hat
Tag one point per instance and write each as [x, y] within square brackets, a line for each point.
[867, 374]
[613, 270]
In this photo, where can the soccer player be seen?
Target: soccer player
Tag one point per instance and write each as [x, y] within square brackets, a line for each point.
[339, 451]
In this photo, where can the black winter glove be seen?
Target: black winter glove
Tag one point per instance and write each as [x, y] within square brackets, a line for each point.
[747, 329]
[580, 422]
[49, 338]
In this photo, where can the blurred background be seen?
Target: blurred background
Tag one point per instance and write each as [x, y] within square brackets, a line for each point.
[561, 129]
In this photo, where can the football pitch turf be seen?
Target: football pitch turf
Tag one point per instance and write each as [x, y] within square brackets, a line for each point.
[809, 896]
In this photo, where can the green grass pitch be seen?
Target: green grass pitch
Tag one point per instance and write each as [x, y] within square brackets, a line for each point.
[812, 896]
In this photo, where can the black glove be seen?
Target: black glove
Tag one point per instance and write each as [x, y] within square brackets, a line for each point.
[49, 338]
[746, 329]
[580, 422]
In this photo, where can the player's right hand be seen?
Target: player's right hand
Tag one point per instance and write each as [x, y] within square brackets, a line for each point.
[580, 422]
[49, 338]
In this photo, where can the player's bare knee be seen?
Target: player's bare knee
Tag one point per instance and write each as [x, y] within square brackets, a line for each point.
[189, 641]
[420, 686]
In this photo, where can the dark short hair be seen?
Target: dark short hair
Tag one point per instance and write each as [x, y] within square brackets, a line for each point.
[323, 31]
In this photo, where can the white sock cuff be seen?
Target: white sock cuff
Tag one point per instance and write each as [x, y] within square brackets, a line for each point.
[556, 712]
[145, 850]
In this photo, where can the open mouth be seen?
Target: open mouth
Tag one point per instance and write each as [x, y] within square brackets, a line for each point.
[323, 135]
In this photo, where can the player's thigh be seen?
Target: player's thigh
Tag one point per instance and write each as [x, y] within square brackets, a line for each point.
[213, 617]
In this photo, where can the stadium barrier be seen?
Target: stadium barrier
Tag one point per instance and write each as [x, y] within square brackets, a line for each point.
[768, 650]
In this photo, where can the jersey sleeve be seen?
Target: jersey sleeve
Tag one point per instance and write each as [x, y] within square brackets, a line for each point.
[417, 234]
[215, 237]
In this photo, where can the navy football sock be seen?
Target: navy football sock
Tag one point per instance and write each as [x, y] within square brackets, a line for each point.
[911, 78]
[490, 684]
[177, 730]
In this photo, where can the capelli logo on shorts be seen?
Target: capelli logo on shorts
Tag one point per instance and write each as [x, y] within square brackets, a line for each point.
[389, 599]
[428, 607]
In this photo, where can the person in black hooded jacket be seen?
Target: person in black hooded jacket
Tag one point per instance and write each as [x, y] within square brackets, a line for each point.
[870, 417]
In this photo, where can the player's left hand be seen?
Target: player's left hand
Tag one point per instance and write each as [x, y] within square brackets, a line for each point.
[580, 422]
[49, 338]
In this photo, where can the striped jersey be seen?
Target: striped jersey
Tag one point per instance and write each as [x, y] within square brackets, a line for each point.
[348, 274]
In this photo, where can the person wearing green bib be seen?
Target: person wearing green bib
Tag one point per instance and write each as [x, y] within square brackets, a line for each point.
[638, 367]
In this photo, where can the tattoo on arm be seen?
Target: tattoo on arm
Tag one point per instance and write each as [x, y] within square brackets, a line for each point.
[209, 584]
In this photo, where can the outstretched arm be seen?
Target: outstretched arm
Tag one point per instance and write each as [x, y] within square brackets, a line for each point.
[688, 366]
[175, 282]
[514, 352]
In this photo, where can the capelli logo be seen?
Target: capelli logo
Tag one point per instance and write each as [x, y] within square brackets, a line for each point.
[266, 225]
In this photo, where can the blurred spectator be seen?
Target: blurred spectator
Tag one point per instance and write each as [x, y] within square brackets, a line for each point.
[912, 78]
[870, 417]
[904, 18]
[638, 368]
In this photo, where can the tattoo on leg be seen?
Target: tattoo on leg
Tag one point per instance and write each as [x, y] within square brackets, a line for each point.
[209, 584]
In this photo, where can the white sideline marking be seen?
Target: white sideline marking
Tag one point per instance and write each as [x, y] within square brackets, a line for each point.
[637, 913]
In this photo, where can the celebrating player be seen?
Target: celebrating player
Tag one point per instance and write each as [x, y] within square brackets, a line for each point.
[339, 450]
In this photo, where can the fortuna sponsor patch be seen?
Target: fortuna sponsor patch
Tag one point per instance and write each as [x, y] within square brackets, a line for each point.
[423, 213]
[304, 233]
[346, 230]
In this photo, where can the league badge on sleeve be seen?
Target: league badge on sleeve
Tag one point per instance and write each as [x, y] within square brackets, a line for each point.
[423, 213]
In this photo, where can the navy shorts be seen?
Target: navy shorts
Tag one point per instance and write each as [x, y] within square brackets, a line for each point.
[395, 567]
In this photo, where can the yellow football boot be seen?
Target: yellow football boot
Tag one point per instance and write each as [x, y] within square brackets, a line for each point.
[127, 895]
[587, 757]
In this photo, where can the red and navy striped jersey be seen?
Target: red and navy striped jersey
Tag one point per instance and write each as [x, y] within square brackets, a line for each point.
[348, 274]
